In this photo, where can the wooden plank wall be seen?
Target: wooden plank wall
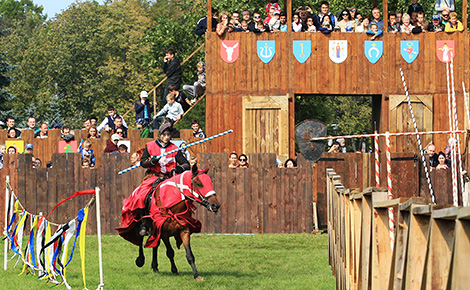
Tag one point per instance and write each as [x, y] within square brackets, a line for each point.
[227, 83]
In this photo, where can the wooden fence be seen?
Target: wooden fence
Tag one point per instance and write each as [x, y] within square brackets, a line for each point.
[258, 199]
[431, 248]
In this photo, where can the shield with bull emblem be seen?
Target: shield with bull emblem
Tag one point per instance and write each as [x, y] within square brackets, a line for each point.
[229, 50]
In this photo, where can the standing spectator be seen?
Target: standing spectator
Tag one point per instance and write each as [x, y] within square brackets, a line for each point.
[270, 15]
[111, 144]
[197, 131]
[290, 163]
[235, 20]
[310, 27]
[399, 18]
[414, 18]
[142, 108]
[108, 123]
[42, 134]
[415, 6]
[296, 24]
[445, 16]
[93, 133]
[67, 134]
[180, 97]
[201, 26]
[11, 133]
[11, 125]
[273, 3]
[243, 161]
[393, 25]
[199, 86]
[406, 27]
[144, 128]
[119, 126]
[274, 23]
[246, 16]
[436, 25]
[86, 124]
[93, 121]
[36, 163]
[28, 149]
[283, 22]
[334, 148]
[347, 23]
[433, 157]
[233, 160]
[376, 18]
[11, 150]
[326, 26]
[172, 111]
[441, 161]
[32, 124]
[353, 12]
[454, 25]
[172, 69]
[325, 10]
[185, 151]
[421, 25]
[257, 25]
[222, 26]
[120, 132]
[364, 25]
[443, 5]
[86, 151]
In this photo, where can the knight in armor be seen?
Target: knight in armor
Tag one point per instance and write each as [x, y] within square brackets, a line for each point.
[136, 207]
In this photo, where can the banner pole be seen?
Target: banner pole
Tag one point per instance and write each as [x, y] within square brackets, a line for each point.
[7, 202]
[98, 232]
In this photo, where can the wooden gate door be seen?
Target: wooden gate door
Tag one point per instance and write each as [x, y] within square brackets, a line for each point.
[401, 121]
[266, 124]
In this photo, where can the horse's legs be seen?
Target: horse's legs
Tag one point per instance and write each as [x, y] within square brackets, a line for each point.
[154, 258]
[140, 261]
[189, 254]
[170, 253]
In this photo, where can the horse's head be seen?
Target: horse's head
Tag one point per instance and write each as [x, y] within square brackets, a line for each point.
[202, 184]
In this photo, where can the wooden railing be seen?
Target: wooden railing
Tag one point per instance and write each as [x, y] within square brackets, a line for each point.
[431, 248]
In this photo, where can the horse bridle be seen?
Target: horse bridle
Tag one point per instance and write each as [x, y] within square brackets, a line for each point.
[205, 202]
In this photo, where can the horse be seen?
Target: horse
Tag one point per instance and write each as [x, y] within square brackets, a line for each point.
[171, 207]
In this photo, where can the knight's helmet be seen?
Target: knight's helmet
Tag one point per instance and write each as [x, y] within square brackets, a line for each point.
[165, 127]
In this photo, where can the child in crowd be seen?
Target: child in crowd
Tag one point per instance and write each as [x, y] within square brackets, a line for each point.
[11, 150]
[86, 162]
[198, 88]
[326, 26]
[244, 26]
[185, 151]
[122, 148]
[274, 23]
[197, 131]
[172, 111]
[393, 25]
[374, 31]
[436, 25]
[310, 27]
[144, 128]
[86, 151]
[66, 134]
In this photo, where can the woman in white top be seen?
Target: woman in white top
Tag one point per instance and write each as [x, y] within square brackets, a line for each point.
[347, 24]
[364, 25]
[296, 23]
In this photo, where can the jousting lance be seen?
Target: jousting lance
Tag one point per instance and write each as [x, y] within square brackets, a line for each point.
[181, 148]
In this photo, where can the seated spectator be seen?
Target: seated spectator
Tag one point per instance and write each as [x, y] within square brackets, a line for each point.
[274, 23]
[198, 88]
[326, 26]
[445, 16]
[11, 150]
[93, 133]
[374, 31]
[235, 20]
[296, 24]
[193, 161]
[257, 25]
[453, 25]
[325, 11]
[436, 25]
[376, 18]
[334, 148]
[122, 148]
[108, 123]
[364, 25]
[42, 134]
[197, 131]
[86, 162]
[310, 26]
[399, 18]
[274, 4]
[406, 27]
[347, 23]
[421, 25]
[144, 128]
[444, 6]
[393, 25]
[36, 162]
[11, 133]
[32, 124]
[180, 97]
[119, 126]
[283, 22]
[243, 161]
[86, 151]
[11, 125]
[201, 26]
[442, 161]
[86, 124]
[111, 144]
[233, 160]
[28, 149]
[142, 108]
[290, 163]
[433, 157]
[415, 7]
[222, 26]
[67, 134]
[172, 111]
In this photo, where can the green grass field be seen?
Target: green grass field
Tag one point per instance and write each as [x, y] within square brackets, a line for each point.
[268, 261]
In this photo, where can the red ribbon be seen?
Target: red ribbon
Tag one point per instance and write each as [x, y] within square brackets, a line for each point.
[78, 193]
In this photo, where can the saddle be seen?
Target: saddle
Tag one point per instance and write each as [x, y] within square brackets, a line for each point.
[144, 227]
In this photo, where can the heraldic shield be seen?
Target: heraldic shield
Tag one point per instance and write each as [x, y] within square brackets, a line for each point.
[373, 50]
[229, 50]
[409, 50]
[266, 50]
[445, 50]
[338, 50]
[302, 49]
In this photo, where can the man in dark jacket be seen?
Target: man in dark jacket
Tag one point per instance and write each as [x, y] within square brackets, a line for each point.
[201, 26]
[172, 69]
[142, 109]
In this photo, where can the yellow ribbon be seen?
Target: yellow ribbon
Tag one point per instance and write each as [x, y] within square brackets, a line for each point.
[82, 244]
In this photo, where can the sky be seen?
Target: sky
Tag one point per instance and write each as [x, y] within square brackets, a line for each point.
[52, 7]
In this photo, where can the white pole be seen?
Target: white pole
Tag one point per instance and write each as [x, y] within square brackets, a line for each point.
[98, 232]
[7, 202]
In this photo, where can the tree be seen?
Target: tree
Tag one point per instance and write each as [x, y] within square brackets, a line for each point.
[5, 80]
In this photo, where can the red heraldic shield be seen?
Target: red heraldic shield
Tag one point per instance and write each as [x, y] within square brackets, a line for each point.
[229, 50]
[445, 50]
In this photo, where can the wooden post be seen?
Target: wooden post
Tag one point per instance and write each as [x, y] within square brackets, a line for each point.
[288, 8]
[464, 14]
[385, 16]
[209, 16]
